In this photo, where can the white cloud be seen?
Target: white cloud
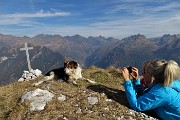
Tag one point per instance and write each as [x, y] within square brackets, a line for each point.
[18, 18]
[35, 15]
[120, 20]
[142, 7]
[149, 26]
[173, 6]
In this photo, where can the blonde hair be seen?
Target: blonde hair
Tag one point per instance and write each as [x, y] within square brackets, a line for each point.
[165, 72]
[171, 72]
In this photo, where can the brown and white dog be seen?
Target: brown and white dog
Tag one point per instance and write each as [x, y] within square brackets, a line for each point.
[69, 73]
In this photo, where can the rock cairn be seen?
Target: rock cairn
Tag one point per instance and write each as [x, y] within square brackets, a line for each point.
[30, 75]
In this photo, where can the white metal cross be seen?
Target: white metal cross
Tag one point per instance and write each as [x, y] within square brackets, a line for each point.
[26, 48]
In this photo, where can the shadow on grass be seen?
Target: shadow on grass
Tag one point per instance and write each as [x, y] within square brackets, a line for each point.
[118, 96]
[114, 94]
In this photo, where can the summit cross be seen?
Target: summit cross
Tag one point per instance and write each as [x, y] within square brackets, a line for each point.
[26, 48]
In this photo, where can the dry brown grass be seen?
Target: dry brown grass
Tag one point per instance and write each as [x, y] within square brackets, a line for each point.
[75, 107]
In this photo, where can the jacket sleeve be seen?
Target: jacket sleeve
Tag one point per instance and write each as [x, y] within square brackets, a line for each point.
[138, 87]
[154, 98]
[137, 82]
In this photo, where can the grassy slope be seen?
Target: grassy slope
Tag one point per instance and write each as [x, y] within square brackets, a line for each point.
[108, 82]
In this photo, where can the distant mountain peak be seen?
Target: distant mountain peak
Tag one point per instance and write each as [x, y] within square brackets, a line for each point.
[171, 36]
[134, 37]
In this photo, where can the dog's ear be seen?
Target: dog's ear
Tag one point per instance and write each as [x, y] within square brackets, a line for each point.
[65, 63]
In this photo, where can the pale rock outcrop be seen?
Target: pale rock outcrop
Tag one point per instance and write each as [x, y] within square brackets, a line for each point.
[38, 99]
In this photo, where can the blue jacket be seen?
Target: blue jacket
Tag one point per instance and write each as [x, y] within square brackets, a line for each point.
[164, 100]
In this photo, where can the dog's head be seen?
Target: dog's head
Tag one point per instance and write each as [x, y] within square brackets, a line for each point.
[72, 69]
[70, 64]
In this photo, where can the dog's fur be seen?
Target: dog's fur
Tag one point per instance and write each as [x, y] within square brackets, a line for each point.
[70, 72]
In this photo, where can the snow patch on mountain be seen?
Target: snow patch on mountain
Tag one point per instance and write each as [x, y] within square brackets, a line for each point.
[3, 59]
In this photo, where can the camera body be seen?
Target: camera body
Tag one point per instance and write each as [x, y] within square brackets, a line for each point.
[129, 69]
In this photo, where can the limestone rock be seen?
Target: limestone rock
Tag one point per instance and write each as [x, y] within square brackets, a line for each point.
[38, 99]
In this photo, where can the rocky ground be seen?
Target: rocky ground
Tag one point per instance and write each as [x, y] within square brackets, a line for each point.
[103, 100]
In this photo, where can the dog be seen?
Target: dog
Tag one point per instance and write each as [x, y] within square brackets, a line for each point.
[71, 72]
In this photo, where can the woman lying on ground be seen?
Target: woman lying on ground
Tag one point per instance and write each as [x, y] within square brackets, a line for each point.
[160, 88]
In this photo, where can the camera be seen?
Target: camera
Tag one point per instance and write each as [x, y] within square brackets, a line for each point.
[129, 69]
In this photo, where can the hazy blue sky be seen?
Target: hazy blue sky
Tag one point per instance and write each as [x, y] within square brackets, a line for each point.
[109, 18]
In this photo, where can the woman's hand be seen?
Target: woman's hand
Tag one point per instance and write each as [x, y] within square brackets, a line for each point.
[135, 73]
[125, 74]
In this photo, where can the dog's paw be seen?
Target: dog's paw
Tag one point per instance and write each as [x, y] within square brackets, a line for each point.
[74, 82]
[37, 83]
[91, 81]
[88, 80]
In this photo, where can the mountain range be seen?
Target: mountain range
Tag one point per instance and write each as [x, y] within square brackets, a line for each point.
[50, 51]
[136, 49]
